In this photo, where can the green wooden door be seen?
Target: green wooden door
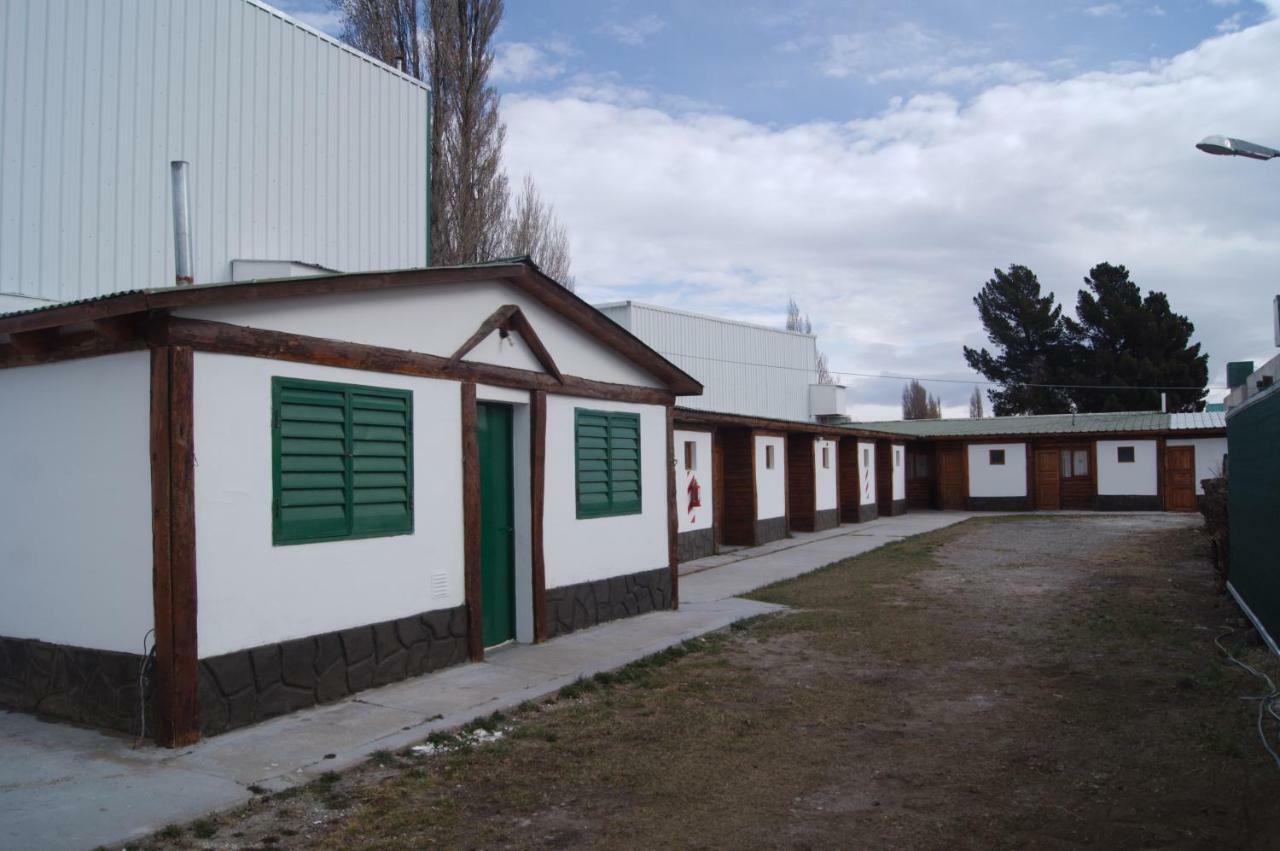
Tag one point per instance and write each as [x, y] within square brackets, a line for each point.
[497, 559]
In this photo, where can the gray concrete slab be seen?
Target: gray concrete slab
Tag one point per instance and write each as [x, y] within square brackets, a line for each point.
[62, 787]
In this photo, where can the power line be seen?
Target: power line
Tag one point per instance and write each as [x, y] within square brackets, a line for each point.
[889, 377]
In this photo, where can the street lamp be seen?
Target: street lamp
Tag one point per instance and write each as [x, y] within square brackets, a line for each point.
[1227, 147]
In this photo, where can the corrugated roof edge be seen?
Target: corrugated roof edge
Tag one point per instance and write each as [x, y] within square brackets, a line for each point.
[691, 314]
[343, 46]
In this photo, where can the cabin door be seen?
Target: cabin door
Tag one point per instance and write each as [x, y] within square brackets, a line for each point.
[951, 490]
[1180, 478]
[1048, 485]
[497, 524]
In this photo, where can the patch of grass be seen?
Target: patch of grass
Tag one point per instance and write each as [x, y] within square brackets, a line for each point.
[577, 689]
[204, 828]
[170, 831]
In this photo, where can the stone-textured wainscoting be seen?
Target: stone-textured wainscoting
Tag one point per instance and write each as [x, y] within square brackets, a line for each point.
[695, 544]
[572, 607]
[999, 503]
[824, 520]
[772, 529]
[1103, 502]
[94, 687]
[867, 512]
[249, 686]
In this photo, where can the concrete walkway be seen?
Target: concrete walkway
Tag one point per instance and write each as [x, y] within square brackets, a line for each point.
[66, 787]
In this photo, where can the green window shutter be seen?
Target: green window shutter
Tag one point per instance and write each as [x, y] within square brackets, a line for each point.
[342, 461]
[381, 468]
[607, 463]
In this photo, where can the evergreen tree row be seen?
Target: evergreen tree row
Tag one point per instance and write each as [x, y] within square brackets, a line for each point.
[1118, 339]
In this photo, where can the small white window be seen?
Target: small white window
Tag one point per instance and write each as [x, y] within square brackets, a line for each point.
[690, 455]
[866, 457]
[897, 458]
[826, 458]
[768, 457]
[997, 457]
[1124, 454]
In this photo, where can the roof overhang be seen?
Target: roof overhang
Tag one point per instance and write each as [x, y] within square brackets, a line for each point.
[522, 274]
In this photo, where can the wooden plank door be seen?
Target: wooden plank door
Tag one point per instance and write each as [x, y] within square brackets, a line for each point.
[951, 489]
[1180, 478]
[497, 524]
[1048, 486]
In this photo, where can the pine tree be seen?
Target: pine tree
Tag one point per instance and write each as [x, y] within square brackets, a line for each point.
[1128, 340]
[1033, 345]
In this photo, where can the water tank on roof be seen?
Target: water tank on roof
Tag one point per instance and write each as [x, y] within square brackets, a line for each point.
[1238, 373]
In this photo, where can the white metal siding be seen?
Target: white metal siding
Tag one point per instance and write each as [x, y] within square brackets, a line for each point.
[744, 369]
[300, 149]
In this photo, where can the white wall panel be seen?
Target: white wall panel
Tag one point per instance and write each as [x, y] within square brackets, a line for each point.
[252, 592]
[300, 148]
[1129, 479]
[825, 483]
[771, 484]
[75, 506]
[689, 517]
[899, 456]
[996, 480]
[867, 470]
[600, 547]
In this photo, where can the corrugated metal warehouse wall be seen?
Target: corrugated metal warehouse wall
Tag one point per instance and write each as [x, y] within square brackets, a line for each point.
[300, 149]
[746, 369]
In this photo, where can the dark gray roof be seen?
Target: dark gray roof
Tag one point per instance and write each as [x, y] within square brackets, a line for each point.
[1130, 421]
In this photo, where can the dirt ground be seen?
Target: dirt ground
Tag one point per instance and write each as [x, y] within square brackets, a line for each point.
[1022, 682]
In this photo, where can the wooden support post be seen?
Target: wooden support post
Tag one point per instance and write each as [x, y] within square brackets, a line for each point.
[471, 524]
[174, 597]
[538, 480]
[673, 548]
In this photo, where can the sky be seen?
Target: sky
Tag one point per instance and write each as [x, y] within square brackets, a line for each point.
[876, 162]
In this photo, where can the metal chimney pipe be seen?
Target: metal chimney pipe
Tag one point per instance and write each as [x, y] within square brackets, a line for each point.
[183, 269]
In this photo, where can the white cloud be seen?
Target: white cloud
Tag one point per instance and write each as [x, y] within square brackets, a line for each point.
[634, 32]
[1105, 10]
[884, 227]
[909, 52]
[521, 62]
[1231, 24]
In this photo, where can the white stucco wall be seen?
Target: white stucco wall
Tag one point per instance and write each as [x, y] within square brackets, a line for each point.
[1136, 479]
[771, 485]
[1209, 452]
[596, 548]
[691, 519]
[825, 481]
[436, 320]
[899, 456]
[75, 502]
[987, 479]
[251, 592]
[867, 472]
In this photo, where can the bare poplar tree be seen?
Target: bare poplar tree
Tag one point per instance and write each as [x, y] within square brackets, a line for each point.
[390, 30]
[918, 404]
[468, 185]
[975, 404]
[797, 322]
[533, 228]
[450, 44]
